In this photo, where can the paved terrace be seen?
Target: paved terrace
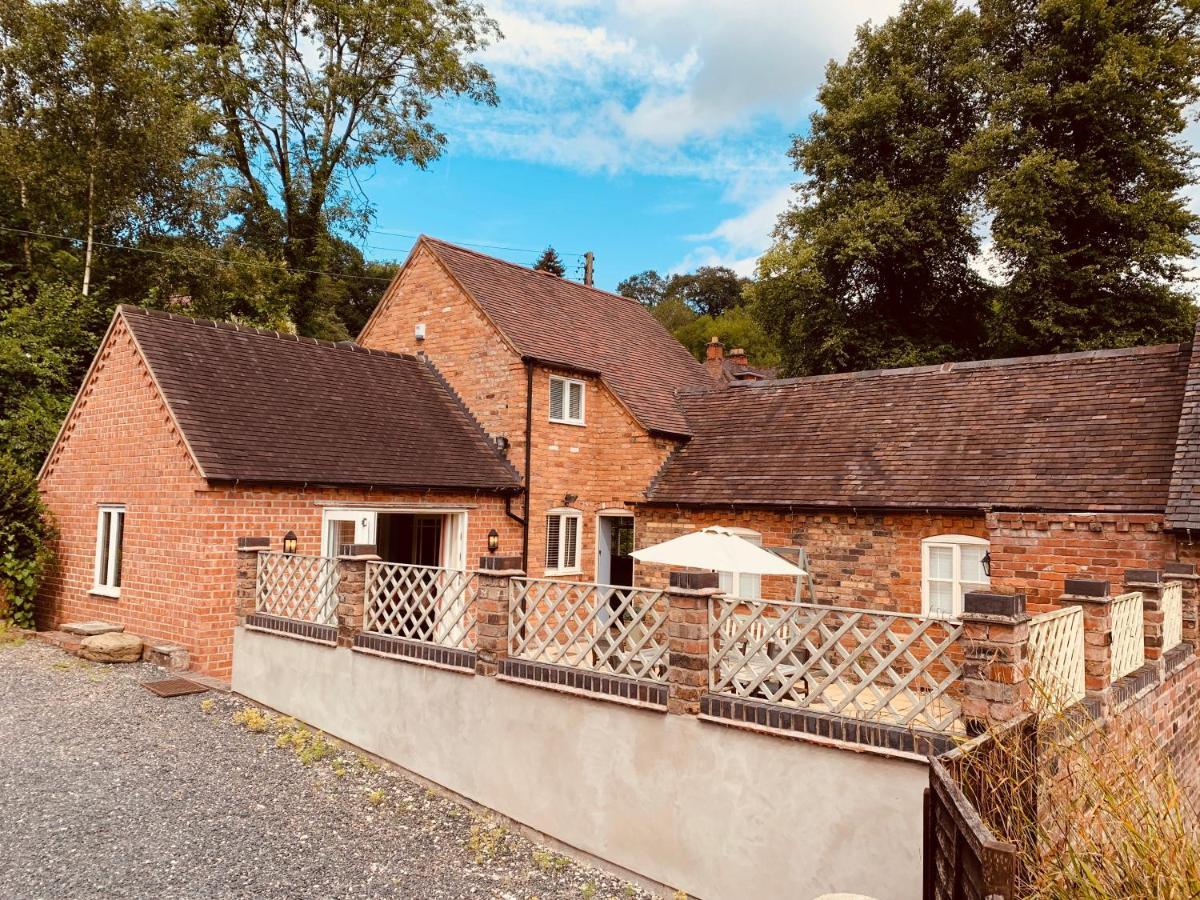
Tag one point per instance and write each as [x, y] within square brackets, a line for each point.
[109, 791]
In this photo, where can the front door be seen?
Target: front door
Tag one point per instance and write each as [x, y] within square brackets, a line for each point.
[614, 543]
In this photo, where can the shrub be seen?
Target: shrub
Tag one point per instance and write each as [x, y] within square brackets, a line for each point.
[24, 537]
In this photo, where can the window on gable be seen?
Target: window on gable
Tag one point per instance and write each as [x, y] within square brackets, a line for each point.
[741, 584]
[566, 400]
[951, 565]
[110, 532]
[562, 541]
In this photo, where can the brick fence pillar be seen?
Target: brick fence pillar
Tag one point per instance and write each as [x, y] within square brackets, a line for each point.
[1150, 583]
[996, 659]
[1092, 596]
[352, 590]
[247, 574]
[687, 640]
[1186, 573]
[491, 611]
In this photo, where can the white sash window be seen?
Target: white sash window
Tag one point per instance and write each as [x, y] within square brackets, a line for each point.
[563, 527]
[566, 400]
[110, 532]
[951, 565]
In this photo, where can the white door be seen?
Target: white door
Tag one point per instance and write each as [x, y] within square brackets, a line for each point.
[347, 526]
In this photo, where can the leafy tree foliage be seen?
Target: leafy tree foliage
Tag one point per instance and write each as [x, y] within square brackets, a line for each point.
[873, 267]
[1086, 166]
[736, 327]
[1056, 124]
[647, 288]
[25, 533]
[710, 290]
[551, 262]
[307, 93]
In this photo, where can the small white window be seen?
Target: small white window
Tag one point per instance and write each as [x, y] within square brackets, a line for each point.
[741, 584]
[951, 565]
[566, 400]
[110, 530]
[562, 541]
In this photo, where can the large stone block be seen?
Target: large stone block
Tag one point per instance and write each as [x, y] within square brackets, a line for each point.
[113, 647]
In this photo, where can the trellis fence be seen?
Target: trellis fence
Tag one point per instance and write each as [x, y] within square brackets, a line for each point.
[602, 628]
[1128, 635]
[421, 603]
[1172, 607]
[1056, 658]
[886, 667]
[302, 588]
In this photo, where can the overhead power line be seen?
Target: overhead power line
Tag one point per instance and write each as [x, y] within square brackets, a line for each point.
[194, 255]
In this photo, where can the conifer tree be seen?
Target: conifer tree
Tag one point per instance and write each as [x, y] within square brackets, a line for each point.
[551, 262]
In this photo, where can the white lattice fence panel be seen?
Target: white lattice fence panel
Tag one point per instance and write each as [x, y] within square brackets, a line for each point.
[421, 603]
[1172, 607]
[298, 587]
[864, 664]
[1128, 635]
[1056, 658]
[604, 628]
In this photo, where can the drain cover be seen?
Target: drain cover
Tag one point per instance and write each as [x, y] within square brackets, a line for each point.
[174, 687]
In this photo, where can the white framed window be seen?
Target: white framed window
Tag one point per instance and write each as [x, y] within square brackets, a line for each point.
[741, 584]
[563, 531]
[110, 532]
[566, 400]
[951, 565]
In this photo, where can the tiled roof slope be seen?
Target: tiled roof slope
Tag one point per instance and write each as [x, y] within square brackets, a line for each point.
[1183, 504]
[260, 406]
[1082, 431]
[556, 320]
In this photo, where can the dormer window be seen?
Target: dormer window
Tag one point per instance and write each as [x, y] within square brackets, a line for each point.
[566, 400]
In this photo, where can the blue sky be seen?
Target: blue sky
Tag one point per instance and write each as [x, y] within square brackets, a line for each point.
[654, 133]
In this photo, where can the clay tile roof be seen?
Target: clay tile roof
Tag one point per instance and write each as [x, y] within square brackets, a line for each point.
[1082, 431]
[1183, 504]
[261, 406]
[559, 321]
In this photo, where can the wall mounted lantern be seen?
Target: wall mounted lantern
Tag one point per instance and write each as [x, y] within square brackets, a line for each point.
[289, 542]
[569, 499]
[986, 562]
[493, 541]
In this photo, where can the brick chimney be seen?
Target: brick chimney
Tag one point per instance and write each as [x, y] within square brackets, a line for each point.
[714, 355]
[737, 356]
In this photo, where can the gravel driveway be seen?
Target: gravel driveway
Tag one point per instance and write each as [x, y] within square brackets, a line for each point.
[109, 791]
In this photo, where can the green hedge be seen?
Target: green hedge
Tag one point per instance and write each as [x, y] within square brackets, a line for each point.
[24, 542]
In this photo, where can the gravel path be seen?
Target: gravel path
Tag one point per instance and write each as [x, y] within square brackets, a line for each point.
[109, 791]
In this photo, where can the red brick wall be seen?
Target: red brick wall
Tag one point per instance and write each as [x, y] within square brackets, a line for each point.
[606, 463]
[120, 446]
[1036, 552]
[876, 558]
[863, 559]
[178, 584]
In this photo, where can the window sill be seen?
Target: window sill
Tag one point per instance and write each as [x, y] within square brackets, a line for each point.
[554, 573]
[566, 422]
[106, 592]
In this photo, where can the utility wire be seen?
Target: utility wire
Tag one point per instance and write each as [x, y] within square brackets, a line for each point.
[194, 255]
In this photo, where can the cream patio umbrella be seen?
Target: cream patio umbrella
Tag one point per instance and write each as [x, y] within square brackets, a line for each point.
[717, 549]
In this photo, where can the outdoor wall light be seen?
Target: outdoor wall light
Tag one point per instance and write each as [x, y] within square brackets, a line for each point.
[569, 499]
[986, 562]
[289, 542]
[493, 541]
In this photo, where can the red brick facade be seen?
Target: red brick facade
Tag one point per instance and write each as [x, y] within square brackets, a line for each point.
[120, 446]
[605, 464]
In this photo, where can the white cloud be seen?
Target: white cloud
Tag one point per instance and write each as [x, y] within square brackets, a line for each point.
[665, 87]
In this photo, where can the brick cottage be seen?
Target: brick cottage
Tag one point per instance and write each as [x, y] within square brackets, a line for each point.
[490, 407]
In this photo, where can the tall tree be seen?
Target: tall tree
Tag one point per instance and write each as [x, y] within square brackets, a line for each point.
[99, 133]
[710, 290]
[1086, 162]
[874, 266]
[551, 262]
[310, 92]
[647, 288]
